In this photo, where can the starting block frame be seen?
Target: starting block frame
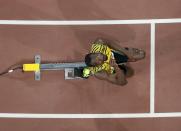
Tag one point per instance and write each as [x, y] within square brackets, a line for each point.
[72, 70]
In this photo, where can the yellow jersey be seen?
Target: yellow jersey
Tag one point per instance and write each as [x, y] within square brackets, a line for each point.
[104, 49]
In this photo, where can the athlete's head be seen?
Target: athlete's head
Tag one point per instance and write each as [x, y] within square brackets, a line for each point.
[95, 59]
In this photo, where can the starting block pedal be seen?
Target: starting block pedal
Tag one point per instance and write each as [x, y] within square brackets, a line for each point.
[73, 73]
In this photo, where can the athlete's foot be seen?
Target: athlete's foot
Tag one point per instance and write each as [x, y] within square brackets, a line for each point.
[137, 54]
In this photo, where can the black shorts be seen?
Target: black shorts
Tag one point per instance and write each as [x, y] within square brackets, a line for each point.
[119, 57]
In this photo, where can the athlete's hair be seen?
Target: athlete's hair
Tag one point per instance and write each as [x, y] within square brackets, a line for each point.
[88, 60]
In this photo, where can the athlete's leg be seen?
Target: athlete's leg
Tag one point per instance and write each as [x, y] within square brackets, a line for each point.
[137, 54]
[128, 71]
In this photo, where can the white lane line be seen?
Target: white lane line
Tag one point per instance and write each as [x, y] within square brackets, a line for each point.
[152, 70]
[70, 116]
[87, 22]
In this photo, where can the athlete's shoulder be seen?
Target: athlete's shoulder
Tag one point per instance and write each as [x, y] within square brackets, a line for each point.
[98, 43]
[101, 41]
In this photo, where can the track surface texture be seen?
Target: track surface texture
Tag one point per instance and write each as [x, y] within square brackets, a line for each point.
[19, 93]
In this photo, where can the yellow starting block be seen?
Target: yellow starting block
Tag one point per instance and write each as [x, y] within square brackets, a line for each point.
[31, 67]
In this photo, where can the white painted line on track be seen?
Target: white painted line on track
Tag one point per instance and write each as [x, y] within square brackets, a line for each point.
[88, 22]
[152, 69]
[71, 116]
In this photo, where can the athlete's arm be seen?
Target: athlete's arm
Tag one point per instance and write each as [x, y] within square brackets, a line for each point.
[113, 78]
[117, 78]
